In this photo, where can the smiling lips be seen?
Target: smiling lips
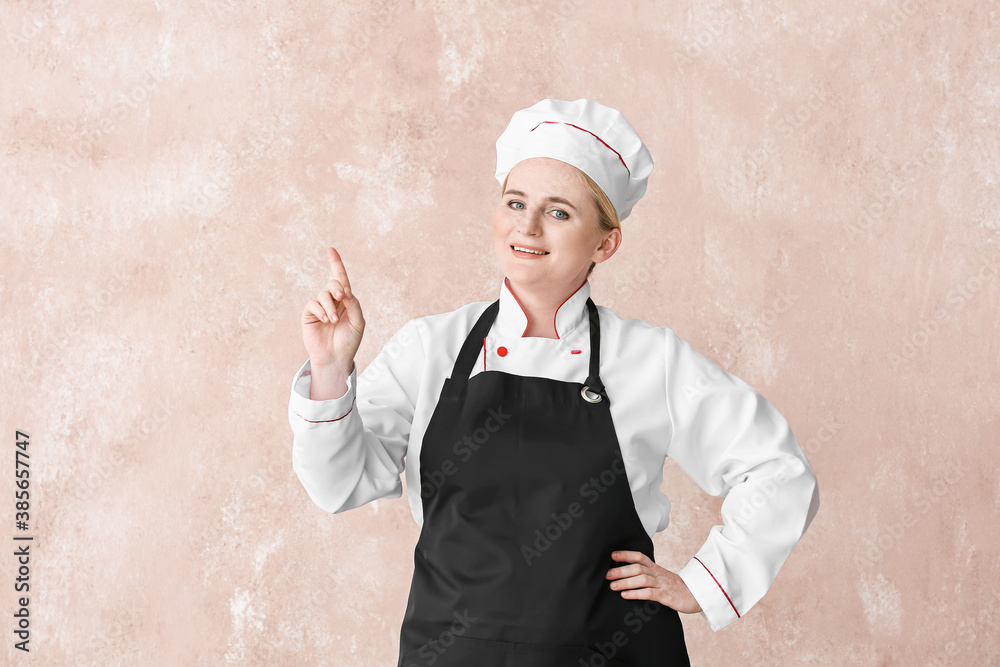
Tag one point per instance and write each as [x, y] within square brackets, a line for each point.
[525, 251]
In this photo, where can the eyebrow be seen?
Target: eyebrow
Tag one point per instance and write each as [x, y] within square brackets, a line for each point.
[558, 200]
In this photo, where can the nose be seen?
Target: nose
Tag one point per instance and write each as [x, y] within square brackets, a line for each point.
[531, 223]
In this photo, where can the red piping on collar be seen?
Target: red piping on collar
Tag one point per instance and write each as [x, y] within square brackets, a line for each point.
[527, 321]
[591, 134]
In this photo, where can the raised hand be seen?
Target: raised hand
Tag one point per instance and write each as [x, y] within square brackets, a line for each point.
[332, 323]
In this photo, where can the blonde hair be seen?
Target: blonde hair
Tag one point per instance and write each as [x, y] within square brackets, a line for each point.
[607, 216]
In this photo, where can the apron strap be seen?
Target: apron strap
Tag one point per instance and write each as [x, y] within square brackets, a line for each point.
[470, 348]
[594, 380]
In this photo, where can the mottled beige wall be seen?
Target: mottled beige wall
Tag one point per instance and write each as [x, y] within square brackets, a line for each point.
[822, 221]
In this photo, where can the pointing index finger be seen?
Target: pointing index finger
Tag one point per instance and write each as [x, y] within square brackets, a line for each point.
[337, 267]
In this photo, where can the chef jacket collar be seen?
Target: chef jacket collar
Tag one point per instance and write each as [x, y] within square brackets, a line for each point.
[513, 321]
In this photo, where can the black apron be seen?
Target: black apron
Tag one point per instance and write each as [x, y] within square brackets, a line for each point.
[524, 498]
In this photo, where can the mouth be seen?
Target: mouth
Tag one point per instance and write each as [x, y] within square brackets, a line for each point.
[525, 251]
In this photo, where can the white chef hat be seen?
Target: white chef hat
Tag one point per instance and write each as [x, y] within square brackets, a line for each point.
[594, 138]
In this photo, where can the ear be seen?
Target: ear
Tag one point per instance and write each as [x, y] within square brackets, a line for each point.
[609, 245]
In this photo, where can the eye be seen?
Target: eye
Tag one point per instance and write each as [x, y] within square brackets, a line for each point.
[563, 215]
[513, 203]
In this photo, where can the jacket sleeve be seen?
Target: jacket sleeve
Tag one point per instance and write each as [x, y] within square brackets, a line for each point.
[350, 450]
[735, 444]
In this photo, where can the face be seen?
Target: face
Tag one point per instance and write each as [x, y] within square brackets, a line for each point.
[547, 206]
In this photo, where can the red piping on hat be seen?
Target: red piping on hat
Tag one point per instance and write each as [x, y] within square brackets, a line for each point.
[594, 136]
[528, 322]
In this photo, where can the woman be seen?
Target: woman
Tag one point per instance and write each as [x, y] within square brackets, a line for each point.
[534, 430]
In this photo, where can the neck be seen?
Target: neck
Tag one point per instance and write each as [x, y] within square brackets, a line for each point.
[540, 307]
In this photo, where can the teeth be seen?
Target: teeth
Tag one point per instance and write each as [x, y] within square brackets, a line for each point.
[534, 252]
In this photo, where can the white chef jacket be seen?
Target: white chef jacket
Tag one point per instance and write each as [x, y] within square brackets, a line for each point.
[666, 399]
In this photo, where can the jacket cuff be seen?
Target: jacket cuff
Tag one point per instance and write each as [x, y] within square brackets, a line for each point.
[318, 412]
[707, 586]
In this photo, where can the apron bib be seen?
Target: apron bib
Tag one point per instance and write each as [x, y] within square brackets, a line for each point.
[524, 498]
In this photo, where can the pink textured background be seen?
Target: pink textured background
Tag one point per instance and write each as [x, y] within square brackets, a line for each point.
[822, 221]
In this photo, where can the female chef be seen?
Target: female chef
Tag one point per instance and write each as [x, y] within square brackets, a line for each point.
[534, 430]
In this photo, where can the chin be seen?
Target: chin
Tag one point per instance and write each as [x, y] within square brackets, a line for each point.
[527, 275]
